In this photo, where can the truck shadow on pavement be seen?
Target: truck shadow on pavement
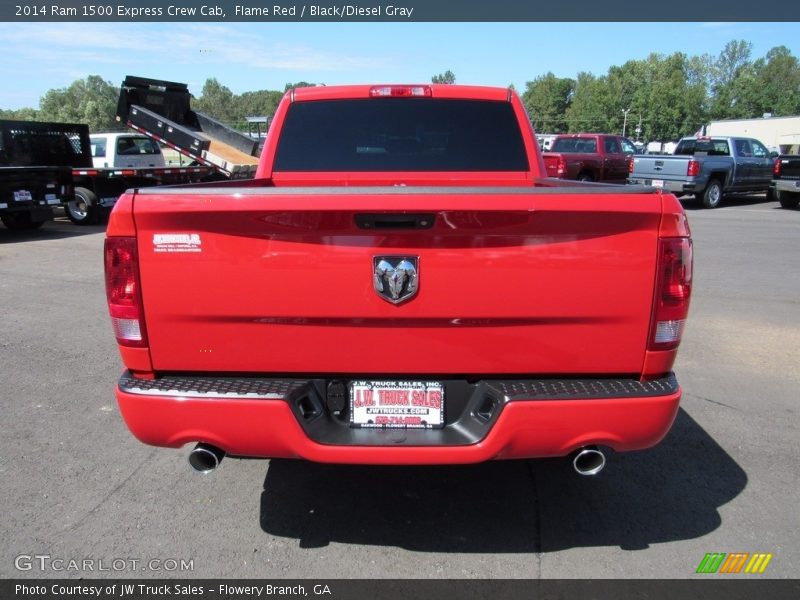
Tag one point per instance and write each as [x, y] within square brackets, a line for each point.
[54, 230]
[671, 492]
[729, 201]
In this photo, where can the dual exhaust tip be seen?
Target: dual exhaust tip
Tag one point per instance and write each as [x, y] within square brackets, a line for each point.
[587, 461]
[204, 458]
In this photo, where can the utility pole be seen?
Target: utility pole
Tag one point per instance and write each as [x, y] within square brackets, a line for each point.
[625, 112]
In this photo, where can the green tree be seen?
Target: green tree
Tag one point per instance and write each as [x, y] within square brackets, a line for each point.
[290, 86]
[92, 101]
[216, 101]
[256, 104]
[20, 114]
[546, 99]
[589, 109]
[728, 78]
[775, 84]
[446, 77]
[672, 103]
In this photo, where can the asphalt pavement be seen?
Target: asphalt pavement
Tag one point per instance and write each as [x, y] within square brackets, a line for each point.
[77, 486]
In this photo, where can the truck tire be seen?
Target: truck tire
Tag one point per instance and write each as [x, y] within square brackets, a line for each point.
[20, 221]
[83, 210]
[788, 199]
[585, 177]
[712, 195]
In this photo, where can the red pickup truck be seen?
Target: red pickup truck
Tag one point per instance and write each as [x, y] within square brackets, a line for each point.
[589, 157]
[400, 284]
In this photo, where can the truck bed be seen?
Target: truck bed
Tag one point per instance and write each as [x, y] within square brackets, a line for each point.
[296, 285]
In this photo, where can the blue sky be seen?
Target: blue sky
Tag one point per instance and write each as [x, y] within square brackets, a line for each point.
[252, 56]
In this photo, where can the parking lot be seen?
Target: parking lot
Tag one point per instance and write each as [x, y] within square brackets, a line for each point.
[77, 485]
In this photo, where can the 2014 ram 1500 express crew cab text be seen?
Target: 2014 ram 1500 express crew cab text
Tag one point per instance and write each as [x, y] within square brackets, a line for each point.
[399, 285]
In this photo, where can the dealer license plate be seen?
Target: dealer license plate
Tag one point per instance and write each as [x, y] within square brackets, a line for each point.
[659, 183]
[397, 404]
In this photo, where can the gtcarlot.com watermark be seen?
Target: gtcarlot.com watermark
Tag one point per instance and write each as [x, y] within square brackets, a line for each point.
[45, 563]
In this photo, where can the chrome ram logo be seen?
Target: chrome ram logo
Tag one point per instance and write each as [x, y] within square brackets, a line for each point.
[396, 278]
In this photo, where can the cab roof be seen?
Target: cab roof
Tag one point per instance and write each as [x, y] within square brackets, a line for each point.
[345, 92]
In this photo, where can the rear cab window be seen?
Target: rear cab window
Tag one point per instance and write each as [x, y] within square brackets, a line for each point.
[400, 134]
[712, 147]
[136, 145]
[611, 146]
[743, 148]
[574, 145]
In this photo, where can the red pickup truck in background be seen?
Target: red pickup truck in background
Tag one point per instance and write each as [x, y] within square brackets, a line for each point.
[400, 284]
[589, 157]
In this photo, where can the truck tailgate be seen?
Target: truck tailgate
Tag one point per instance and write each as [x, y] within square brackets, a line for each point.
[511, 280]
[660, 167]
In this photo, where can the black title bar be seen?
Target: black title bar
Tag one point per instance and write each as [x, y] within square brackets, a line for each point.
[137, 11]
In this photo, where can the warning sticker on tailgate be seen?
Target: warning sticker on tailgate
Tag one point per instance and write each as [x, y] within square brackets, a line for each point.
[177, 242]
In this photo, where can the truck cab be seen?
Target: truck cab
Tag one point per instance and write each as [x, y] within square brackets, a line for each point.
[125, 150]
[589, 157]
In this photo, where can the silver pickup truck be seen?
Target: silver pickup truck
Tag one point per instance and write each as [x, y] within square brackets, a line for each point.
[707, 168]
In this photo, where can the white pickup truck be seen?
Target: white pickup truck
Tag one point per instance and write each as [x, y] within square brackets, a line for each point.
[125, 150]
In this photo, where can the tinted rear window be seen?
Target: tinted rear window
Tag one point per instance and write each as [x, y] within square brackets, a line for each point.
[401, 134]
[568, 145]
[136, 145]
[712, 147]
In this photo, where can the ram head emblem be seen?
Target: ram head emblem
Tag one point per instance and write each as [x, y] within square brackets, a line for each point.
[396, 278]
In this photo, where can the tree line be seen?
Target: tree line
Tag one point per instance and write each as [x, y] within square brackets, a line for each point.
[668, 96]
[663, 96]
[94, 101]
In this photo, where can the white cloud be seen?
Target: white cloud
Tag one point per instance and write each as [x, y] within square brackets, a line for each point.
[105, 44]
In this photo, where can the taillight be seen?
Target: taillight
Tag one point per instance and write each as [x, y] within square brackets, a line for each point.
[693, 168]
[776, 167]
[673, 290]
[123, 291]
[562, 166]
[399, 91]
[630, 164]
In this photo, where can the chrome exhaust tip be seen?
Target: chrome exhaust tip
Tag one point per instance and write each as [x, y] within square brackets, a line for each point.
[204, 458]
[589, 461]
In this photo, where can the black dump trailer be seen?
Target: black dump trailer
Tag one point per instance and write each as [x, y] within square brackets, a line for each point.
[161, 110]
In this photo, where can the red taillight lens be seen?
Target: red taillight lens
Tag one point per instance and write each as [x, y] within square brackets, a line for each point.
[776, 167]
[673, 290]
[693, 168]
[399, 91]
[123, 291]
[630, 164]
[562, 166]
